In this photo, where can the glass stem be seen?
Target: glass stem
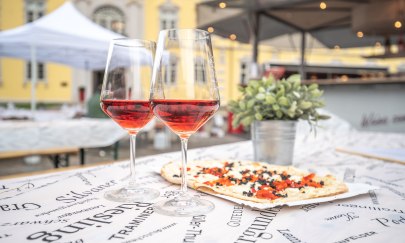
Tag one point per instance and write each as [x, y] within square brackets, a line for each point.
[132, 147]
[184, 166]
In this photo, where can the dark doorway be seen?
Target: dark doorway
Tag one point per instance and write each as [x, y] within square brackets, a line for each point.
[97, 81]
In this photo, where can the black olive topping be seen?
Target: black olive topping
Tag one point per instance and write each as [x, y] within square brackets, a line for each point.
[253, 185]
[267, 172]
[229, 165]
[244, 182]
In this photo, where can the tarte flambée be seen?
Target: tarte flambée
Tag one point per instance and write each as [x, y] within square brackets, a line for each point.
[254, 181]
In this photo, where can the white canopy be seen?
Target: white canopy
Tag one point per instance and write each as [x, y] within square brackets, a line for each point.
[64, 36]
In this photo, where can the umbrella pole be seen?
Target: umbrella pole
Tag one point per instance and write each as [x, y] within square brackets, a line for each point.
[33, 78]
[254, 71]
[302, 64]
[255, 37]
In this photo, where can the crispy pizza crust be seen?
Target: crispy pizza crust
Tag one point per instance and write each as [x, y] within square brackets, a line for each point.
[171, 172]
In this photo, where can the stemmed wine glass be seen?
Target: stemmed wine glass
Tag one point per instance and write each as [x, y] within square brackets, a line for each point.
[184, 95]
[125, 98]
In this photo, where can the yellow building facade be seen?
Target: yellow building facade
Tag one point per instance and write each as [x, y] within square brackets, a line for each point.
[59, 85]
[55, 87]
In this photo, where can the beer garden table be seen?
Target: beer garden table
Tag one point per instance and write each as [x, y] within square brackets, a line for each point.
[68, 206]
[55, 134]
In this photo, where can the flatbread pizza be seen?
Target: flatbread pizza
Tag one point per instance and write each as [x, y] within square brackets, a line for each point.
[254, 181]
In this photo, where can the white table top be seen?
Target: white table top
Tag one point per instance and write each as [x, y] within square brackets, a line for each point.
[82, 133]
[69, 206]
[65, 112]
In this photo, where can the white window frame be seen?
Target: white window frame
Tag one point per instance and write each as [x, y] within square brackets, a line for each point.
[38, 8]
[199, 71]
[108, 15]
[28, 72]
[168, 16]
[171, 72]
[244, 72]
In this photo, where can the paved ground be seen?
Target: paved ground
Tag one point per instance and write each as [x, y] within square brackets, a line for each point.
[144, 147]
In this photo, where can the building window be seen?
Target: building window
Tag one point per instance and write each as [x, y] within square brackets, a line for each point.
[168, 15]
[34, 9]
[199, 71]
[111, 18]
[40, 71]
[171, 72]
[244, 72]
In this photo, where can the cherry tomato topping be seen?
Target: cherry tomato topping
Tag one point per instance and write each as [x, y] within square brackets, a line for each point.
[266, 194]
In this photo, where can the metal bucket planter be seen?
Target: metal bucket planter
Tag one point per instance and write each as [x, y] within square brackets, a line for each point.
[273, 141]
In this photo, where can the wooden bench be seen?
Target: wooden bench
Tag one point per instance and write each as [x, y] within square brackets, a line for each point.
[57, 155]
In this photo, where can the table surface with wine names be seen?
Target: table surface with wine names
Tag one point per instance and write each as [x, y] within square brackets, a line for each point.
[68, 206]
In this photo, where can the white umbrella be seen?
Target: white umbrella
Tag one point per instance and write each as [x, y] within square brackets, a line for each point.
[64, 36]
[257, 20]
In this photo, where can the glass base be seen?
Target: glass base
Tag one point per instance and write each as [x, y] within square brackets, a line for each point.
[131, 194]
[183, 206]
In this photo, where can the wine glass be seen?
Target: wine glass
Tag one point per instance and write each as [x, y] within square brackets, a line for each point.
[125, 98]
[184, 95]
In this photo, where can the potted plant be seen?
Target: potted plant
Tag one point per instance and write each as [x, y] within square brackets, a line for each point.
[273, 108]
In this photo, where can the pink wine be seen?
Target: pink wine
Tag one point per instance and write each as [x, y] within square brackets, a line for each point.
[131, 115]
[184, 117]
